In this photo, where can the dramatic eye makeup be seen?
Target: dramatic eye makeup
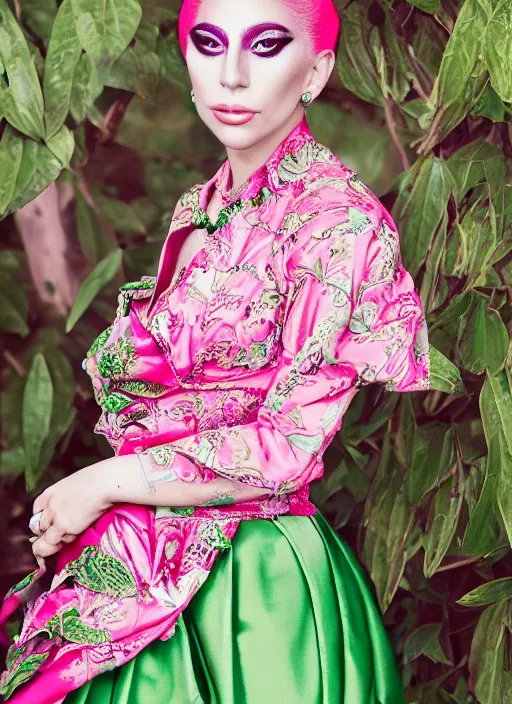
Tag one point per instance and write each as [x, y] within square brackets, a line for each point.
[266, 40]
[263, 40]
[209, 39]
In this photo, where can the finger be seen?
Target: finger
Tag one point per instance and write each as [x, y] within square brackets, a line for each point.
[69, 538]
[41, 548]
[34, 524]
[53, 535]
[47, 519]
[42, 500]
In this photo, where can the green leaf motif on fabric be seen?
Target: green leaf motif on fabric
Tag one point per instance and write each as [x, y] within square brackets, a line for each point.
[12, 679]
[137, 387]
[21, 585]
[215, 538]
[111, 363]
[102, 573]
[115, 403]
[138, 285]
[68, 625]
[311, 445]
[363, 318]
[99, 342]
[119, 358]
[188, 511]
[163, 456]
[359, 221]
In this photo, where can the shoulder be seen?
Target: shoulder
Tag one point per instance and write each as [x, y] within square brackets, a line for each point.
[190, 198]
[330, 185]
[333, 208]
[337, 224]
[187, 203]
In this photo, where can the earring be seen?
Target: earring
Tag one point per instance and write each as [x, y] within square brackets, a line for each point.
[193, 96]
[306, 99]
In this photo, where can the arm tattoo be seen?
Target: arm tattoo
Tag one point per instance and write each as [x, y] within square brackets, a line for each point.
[221, 498]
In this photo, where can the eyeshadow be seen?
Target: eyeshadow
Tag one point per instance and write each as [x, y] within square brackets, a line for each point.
[252, 32]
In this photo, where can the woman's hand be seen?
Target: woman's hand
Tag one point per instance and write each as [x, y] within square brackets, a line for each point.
[69, 507]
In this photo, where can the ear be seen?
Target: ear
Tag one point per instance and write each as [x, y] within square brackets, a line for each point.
[320, 72]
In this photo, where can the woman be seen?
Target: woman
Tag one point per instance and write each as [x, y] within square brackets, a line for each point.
[280, 292]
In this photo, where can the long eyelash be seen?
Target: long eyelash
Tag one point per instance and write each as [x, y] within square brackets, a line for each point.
[270, 35]
[208, 38]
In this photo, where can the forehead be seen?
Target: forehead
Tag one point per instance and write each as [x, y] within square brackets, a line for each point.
[233, 16]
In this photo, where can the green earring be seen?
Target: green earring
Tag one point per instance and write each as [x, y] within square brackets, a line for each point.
[306, 99]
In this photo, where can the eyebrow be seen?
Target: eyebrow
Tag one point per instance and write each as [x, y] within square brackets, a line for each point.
[248, 34]
[252, 32]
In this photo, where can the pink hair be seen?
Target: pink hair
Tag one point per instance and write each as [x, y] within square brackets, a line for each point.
[319, 18]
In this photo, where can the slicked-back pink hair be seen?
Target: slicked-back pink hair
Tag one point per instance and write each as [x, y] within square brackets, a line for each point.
[319, 18]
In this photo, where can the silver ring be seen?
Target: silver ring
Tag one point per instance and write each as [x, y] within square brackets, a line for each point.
[34, 523]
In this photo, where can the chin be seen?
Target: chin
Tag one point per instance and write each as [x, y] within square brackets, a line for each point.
[239, 141]
[237, 137]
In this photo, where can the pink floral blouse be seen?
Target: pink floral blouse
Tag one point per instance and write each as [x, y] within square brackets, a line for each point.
[270, 329]
[242, 369]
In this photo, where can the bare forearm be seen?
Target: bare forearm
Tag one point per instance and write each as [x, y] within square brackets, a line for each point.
[125, 483]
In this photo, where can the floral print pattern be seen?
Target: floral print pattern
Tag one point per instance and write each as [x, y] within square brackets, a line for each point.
[243, 368]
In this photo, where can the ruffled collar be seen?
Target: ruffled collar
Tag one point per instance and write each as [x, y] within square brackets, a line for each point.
[266, 176]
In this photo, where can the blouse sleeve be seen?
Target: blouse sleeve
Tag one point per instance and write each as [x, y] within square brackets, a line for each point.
[353, 318]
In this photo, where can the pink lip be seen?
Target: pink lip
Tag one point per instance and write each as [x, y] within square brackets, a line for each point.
[233, 114]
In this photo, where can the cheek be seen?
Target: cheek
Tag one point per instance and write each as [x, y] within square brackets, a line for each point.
[277, 80]
[204, 75]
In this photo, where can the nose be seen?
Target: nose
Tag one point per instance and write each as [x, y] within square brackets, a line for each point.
[235, 71]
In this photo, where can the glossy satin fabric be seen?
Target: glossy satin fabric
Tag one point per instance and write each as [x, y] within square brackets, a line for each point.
[286, 615]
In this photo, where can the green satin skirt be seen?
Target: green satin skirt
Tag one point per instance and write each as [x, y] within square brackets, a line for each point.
[286, 615]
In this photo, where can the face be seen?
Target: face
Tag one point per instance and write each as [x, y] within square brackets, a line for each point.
[249, 63]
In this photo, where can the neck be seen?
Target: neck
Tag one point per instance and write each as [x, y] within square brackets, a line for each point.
[244, 162]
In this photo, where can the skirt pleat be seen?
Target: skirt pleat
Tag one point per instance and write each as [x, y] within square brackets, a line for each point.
[286, 615]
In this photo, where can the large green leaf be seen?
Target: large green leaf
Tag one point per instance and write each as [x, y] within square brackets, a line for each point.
[356, 66]
[389, 520]
[488, 593]
[486, 660]
[483, 529]
[11, 152]
[447, 508]
[444, 375]
[39, 167]
[425, 641]
[496, 410]
[106, 27]
[87, 86]
[420, 208]
[62, 58]
[497, 47]
[483, 343]
[62, 145]
[433, 457]
[431, 6]
[21, 100]
[37, 413]
[390, 58]
[99, 277]
[463, 76]
[63, 412]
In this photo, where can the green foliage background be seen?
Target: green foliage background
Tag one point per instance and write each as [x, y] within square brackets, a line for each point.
[94, 95]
